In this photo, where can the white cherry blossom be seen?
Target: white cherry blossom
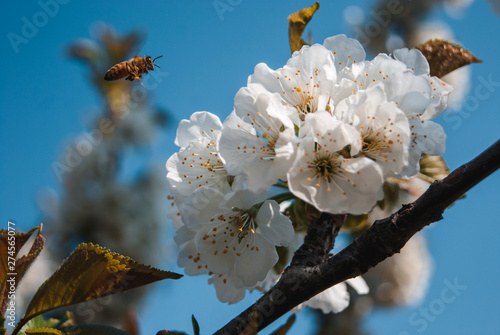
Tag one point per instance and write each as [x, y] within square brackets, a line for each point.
[305, 83]
[412, 94]
[199, 125]
[326, 175]
[258, 138]
[234, 233]
[362, 75]
[330, 125]
[198, 162]
[415, 60]
[384, 129]
[197, 165]
[336, 298]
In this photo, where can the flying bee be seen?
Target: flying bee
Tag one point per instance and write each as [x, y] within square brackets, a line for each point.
[133, 68]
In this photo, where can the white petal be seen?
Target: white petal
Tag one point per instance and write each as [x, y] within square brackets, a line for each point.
[244, 199]
[195, 166]
[285, 149]
[352, 186]
[218, 261]
[253, 264]
[183, 236]
[439, 98]
[254, 101]
[200, 207]
[191, 260]
[229, 288]
[304, 85]
[345, 50]
[359, 285]
[253, 152]
[318, 122]
[414, 60]
[200, 124]
[385, 128]
[430, 138]
[261, 175]
[236, 149]
[174, 212]
[266, 77]
[333, 300]
[274, 226]
[322, 123]
[233, 121]
[411, 93]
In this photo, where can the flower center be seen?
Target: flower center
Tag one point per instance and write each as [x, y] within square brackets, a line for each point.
[377, 143]
[373, 147]
[300, 93]
[325, 168]
[243, 222]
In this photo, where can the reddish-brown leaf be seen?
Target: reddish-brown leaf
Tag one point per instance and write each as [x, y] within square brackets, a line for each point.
[444, 56]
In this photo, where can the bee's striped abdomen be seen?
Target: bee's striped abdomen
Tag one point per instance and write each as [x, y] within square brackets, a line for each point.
[116, 72]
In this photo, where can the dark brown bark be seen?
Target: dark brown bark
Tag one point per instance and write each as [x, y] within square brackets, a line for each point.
[319, 240]
[308, 276]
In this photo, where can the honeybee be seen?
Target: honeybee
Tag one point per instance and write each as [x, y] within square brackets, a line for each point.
[133, 68]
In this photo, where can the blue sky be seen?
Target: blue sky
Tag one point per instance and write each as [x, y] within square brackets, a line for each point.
[45, 99]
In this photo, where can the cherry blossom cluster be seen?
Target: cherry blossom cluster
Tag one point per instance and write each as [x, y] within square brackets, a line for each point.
[329, 126]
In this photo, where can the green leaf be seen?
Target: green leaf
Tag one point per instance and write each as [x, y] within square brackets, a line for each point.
[91, 272]
[444, 56]
[39, 322]
[286, 327]
[196, 326]
[297, 23]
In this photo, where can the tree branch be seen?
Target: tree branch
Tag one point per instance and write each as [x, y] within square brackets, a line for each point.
[319, 240]
[386, 237]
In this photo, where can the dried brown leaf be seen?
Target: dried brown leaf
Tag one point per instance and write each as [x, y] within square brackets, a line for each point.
[444, 56]
[13, 266]
[297, 23]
